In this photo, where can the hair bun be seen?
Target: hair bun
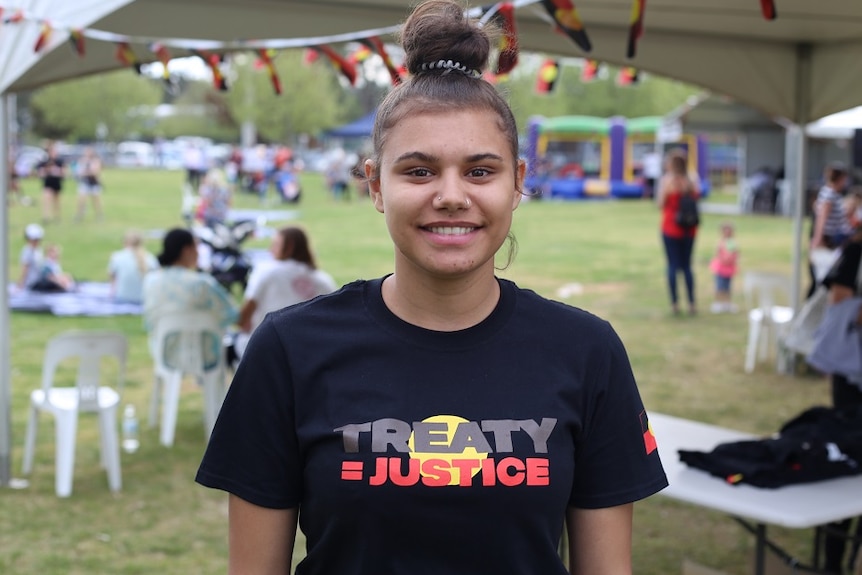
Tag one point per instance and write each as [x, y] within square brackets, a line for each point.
[440, 30]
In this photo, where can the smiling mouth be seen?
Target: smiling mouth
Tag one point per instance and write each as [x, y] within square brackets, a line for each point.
[451, 231]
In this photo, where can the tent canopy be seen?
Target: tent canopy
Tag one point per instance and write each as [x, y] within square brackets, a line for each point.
[360, 128]
[785, 67]
[802, 66]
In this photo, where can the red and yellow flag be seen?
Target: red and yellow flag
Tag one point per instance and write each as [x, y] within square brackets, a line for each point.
[566, 16]
[266, 56]
[590, 71]
[636, 27]
[44, 37]
[360, 55]
[347, 69]
[213, 61]
[650, 444]
[628, 76]
[16, 17]
[76, 39]
[548, 75]
[161, 52]
[508, 46]
[127, 57]
[376, 44]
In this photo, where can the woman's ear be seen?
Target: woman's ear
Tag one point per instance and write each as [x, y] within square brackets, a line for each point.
[372, 176]
[520, 175]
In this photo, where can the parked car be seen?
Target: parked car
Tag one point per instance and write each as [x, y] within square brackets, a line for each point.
[135, 155]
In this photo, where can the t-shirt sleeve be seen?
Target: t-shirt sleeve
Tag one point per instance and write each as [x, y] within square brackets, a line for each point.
[617, 459]
[253, 451]
[253, 287]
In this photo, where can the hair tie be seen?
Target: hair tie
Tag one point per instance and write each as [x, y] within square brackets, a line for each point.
[448, 65]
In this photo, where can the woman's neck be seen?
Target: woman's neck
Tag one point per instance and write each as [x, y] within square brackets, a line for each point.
[448, 305]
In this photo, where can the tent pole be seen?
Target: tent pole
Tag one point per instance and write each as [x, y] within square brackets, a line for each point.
[803, 103]
[5, 368]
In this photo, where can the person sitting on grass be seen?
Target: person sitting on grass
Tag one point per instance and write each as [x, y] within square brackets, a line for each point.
[52, 278]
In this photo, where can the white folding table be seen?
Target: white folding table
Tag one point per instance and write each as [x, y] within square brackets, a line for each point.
[802, 506]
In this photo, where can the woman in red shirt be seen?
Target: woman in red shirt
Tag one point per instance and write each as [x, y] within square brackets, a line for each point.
[678, 239]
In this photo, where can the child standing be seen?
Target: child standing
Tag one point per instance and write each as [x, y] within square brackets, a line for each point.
[723, 265]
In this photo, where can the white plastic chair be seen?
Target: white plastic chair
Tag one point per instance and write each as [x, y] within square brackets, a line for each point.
[186, 344]
[87, 396]
[767, 320]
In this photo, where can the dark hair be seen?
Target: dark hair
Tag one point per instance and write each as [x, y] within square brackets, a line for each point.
[439, 30]
[677, 162]
[295, 246]
[835, 171]
[173, 244]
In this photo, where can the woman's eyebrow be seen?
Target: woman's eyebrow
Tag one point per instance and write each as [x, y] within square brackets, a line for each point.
[421, 156]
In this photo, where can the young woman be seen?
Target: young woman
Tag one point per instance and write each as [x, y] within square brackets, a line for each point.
[177, 286]
[52, 170]
[128, 267]
[675, 187]
[290, 277]
[438, 419]
[89, 184]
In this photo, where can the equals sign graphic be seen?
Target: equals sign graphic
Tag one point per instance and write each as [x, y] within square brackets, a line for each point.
[351, 470]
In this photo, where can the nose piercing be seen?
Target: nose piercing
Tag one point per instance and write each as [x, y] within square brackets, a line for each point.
[439, 198]
[467, 202]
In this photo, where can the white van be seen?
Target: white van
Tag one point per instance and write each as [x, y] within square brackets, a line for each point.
[135, 155]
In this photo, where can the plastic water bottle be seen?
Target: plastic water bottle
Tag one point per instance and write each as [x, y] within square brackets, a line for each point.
[130, 430]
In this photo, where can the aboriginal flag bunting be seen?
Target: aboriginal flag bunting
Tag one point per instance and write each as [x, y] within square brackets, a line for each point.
[548, 75]
[566, 16]
[636, 27]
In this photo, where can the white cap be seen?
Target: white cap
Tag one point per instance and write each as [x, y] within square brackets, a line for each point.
[34, 232]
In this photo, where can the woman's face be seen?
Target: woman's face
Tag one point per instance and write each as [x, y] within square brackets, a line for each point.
[447, 187]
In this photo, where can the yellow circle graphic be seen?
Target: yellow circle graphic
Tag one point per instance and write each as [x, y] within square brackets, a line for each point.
[452, 422]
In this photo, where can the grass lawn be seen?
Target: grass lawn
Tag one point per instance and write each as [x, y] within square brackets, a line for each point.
[162, 522]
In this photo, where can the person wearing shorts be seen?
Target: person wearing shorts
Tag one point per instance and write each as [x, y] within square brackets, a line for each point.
[89, 184]
[52, 170]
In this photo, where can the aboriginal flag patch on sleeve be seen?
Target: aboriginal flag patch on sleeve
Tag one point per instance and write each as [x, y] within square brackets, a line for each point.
[649, 438]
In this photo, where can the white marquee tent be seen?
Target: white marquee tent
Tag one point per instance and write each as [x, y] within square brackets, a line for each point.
[802, 66]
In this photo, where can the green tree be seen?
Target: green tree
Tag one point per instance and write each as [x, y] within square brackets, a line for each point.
[73, 110]
[312, 99]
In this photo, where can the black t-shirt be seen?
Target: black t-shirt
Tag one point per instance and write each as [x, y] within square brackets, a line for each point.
[415, 451]
[845, 270]
[51, 170]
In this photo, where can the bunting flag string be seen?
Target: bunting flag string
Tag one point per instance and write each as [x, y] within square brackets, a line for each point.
[566, 16]
[636, 28]
[561, 14]
[767, 7]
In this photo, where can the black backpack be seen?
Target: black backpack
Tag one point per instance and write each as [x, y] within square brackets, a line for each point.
[687, 214]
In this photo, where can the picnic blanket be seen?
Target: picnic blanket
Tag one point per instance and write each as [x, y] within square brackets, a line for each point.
[88, 299]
